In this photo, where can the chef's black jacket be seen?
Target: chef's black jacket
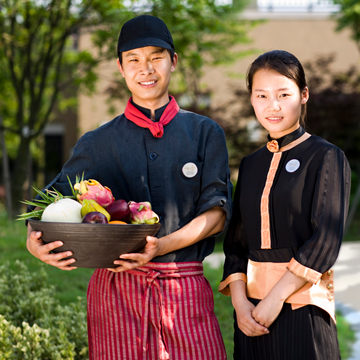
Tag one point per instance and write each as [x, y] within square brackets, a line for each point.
[136, 166]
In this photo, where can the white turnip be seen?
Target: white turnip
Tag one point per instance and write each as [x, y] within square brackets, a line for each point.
[63, 210]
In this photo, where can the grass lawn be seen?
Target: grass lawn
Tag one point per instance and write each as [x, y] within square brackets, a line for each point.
[71, 284]
[353, 234]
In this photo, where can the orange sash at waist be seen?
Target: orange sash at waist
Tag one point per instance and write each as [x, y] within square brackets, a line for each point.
[262, 276]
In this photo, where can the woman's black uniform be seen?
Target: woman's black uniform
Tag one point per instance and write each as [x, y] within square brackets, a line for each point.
[307, 210]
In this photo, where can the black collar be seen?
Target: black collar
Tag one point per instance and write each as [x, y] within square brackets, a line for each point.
[289, 138]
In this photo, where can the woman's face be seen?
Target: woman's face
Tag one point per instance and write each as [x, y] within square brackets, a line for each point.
[277, 102]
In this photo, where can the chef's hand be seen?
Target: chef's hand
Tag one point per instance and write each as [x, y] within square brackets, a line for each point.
[132, 261]
[40, 250]
[207, 224]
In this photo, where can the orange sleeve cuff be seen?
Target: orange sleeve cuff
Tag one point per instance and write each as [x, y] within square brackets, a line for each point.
[224, 285]
[303, 272]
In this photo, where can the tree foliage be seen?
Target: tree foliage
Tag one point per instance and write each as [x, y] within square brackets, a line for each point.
[41, 68]
[334, 107]
[349, 17]
[204, 33]
[39, 62]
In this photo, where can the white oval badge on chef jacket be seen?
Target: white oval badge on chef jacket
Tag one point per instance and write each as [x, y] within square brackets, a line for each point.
[292, 165]
[189, 169]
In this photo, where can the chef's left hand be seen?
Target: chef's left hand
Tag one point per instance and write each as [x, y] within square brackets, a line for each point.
[267, 310]
[132, 261]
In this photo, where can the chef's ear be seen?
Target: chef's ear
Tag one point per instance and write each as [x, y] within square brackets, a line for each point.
[120, 67]
[174, 62]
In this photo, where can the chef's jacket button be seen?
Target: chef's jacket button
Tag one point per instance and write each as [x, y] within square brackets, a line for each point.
[153, 156]
[329, 286]
[329, 272]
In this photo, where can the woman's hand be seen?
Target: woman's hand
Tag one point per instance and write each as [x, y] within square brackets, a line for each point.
[267, 310]
[245, 320]
[244, 308]
[132, 261]
[36, 247]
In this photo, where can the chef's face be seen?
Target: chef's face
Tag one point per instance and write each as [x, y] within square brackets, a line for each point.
[147, 73]
[277, 102]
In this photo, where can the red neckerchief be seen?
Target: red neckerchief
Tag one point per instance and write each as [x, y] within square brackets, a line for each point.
[157, 128]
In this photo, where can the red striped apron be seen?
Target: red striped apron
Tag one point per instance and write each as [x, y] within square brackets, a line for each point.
[158, 311]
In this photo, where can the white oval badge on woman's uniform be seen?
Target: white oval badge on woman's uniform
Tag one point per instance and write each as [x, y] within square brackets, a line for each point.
[189, 169]
[292, 165]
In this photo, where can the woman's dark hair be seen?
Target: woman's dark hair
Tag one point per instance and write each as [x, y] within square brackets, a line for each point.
[285, 64]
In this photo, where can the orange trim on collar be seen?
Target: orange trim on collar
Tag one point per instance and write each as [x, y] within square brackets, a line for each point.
[295, 142]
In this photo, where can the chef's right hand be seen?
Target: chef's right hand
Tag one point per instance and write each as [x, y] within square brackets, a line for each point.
[42, 251]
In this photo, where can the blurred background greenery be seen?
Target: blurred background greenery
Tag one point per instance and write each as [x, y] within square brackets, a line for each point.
[58, 80]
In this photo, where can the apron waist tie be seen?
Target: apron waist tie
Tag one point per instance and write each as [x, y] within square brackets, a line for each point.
[153, 272]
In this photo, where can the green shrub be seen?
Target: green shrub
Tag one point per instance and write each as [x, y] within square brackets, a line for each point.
[33, 325]
[30, 343]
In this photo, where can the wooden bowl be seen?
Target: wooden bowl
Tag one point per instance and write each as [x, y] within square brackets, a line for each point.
[95, 245]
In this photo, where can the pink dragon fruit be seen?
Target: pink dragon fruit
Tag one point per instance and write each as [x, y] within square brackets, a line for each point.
[141, 213]
[93, 190]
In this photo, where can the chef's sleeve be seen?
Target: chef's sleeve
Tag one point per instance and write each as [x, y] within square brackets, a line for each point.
[216, 187]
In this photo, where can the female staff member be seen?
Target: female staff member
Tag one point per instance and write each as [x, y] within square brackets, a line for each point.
[290, 207]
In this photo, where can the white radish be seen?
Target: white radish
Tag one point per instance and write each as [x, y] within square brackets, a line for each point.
[63, 210]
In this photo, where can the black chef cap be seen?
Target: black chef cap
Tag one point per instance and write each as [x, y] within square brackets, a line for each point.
[144, 30]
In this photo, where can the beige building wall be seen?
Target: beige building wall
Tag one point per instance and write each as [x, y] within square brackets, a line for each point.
[305, 35]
